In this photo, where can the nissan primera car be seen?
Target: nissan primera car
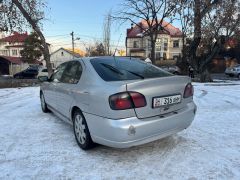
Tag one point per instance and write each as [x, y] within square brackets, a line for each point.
[118, 102]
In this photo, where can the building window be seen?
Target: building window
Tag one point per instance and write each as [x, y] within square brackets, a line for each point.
[62, 53]
[149, 44]
[164, 56]
[14, 52]
[176, 43]
[165, 44]
[135, 44]
[6, 53]
[158, 55]
[158, 44]
[158, 48]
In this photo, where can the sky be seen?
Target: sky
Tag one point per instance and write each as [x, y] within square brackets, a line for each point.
[85, 18]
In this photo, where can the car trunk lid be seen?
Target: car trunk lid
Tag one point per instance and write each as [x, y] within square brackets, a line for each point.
[157, 88]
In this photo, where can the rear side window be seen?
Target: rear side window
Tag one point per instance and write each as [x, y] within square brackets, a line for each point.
[58, 72]
[119, 69]
[72, 73]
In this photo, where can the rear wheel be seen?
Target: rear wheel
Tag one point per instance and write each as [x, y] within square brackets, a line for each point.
[81, 131]
[43, 104]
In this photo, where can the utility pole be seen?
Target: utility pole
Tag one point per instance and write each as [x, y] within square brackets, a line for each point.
[73, 40]
[72, 34]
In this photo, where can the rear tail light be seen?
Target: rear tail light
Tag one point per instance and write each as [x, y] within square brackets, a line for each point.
[188, 92]
[138, 99]
[127, 100]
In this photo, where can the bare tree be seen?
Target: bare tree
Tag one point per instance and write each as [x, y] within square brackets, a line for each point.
[200, 9]
[153, 12]
[210, 24]
[107, 32]
[218, 27]
[191, 14]
[184, 10]
[95, 49]
[21, 14]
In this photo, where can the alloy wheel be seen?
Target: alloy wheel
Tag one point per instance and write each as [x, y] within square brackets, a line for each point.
[80, 128]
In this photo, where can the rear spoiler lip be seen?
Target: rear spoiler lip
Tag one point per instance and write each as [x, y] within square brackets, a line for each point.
[188, 79]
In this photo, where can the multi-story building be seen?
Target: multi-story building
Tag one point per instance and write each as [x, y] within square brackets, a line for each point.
[12, 45]
[168, 44]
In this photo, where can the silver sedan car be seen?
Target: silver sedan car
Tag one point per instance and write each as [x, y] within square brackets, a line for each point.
[118, 102]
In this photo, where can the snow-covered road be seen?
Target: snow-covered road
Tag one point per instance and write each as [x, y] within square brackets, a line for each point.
[34, 145]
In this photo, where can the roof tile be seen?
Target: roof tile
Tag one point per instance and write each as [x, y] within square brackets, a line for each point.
[136, 31]
[16, 37]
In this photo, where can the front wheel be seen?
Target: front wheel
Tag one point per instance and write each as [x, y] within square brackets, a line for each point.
[43, 104]
[81, 131]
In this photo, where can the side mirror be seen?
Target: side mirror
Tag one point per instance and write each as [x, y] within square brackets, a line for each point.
[43, 78]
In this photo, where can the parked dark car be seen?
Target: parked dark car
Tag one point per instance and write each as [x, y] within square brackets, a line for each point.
[29, 73]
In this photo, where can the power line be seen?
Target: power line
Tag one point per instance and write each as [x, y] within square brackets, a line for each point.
[82, 35]
[57, 35]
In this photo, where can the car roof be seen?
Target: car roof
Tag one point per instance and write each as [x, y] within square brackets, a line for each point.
[104, 57]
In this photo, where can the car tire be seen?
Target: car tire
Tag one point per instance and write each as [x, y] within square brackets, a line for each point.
[43, 104]
[81, 131]
[238, 76]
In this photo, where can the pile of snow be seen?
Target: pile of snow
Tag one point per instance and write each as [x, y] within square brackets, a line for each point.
[34, 145]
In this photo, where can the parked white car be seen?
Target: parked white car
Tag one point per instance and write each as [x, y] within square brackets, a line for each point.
[233, 71]
[43, 72]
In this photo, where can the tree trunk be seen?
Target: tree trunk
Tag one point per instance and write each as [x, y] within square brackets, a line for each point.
[204, 63]
[197, 34]
[205, 76]
[34, 25]
[182, 62]
[153, 57]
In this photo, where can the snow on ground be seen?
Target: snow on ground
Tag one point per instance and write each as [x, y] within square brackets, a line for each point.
[34, 145]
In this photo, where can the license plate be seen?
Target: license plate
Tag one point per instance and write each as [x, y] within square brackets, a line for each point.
[164, 101]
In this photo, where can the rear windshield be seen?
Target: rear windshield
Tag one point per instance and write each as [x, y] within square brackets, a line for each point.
[119, 69]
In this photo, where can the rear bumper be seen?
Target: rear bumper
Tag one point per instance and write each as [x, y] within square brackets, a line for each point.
[132, 131]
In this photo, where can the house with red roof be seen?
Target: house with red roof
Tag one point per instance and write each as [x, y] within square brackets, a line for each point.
[13, 44]
[168, 44]
[10, 57]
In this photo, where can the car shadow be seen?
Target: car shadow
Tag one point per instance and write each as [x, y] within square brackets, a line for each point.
[161, 147]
